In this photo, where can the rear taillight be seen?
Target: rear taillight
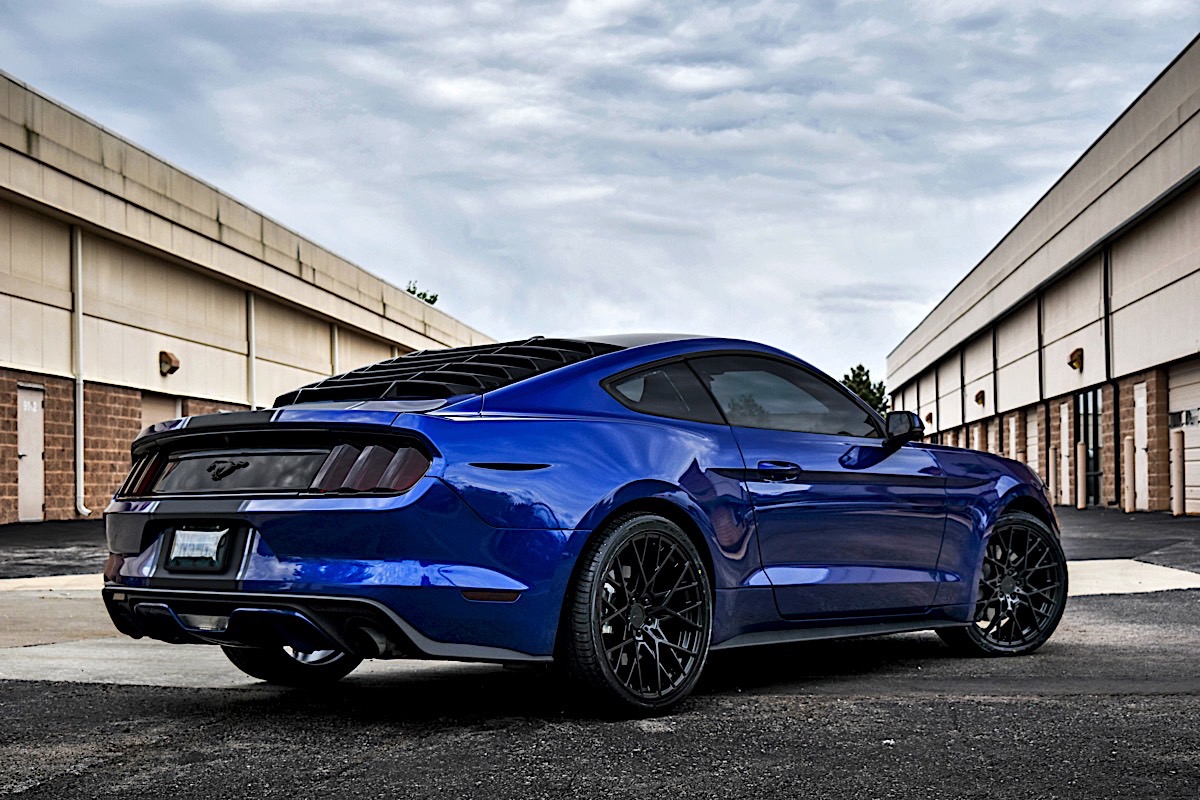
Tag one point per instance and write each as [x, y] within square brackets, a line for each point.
[374, 468]
[142, 476]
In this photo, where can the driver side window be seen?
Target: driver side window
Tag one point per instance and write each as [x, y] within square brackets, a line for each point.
[765, 393]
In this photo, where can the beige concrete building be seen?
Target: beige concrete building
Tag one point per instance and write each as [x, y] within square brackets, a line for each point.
[1082, 326]
[133, 292]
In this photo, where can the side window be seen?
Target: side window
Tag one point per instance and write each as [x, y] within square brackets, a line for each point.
[764, 393]
[671, 390]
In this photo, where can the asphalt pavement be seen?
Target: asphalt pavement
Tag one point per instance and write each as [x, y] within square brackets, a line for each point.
[1107, 709]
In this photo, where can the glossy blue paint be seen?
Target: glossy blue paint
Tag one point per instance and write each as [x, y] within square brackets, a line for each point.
[868, 517]
[864, 531]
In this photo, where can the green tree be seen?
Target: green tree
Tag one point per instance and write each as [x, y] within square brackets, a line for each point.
[428, 297]
[859, 382]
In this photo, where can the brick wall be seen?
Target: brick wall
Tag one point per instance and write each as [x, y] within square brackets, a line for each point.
[1158, 456]
[112, 418]
[59, 421]
[1109, 494]
[8, 446]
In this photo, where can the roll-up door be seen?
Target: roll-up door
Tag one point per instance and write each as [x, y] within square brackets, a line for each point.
[1183, 383]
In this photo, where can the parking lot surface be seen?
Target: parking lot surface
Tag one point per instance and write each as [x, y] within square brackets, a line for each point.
[1108, 708]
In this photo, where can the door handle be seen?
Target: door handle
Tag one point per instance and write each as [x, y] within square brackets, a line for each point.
[778, 471]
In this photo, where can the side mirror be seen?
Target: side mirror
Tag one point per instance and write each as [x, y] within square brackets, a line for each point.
[904, 426]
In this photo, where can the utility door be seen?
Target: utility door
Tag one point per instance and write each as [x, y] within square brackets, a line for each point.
[1141, 440]
[31, 448]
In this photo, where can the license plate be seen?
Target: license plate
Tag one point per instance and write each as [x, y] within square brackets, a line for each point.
[198, 551]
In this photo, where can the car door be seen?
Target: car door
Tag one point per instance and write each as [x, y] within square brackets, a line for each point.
[848, 525]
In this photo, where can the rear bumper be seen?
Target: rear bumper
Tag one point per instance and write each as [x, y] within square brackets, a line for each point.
[364, 627]
[421, 567]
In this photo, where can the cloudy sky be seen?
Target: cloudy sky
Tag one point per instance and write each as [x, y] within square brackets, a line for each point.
[816, 175]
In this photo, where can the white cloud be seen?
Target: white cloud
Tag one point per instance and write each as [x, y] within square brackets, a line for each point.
[811, 174]
[701, 79]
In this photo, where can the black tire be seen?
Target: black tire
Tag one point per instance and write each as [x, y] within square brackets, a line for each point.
[292, 668]
[1022, 590]
[638, 618]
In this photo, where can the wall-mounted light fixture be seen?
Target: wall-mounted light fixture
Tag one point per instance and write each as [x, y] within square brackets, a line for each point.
[929, 418]
[979, 397]
[168, 363]
[1076, 359]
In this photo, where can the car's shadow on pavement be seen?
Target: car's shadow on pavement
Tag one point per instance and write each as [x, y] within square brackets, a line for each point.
[476, 694]
[809, 664]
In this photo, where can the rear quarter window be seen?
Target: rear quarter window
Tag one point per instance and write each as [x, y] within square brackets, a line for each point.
[668, 390]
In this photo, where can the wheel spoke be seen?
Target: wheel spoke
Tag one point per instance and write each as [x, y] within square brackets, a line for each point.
[678, 616]
[652, 648]
[1021, 586]
[659, 567]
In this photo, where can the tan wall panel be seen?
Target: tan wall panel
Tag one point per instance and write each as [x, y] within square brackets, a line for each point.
[1160, 250]
[356, 350]
[950, 409]
[292, 338]
[35, 251]
[925, 410]
[1139, 341]
[1074, 302]
[949, 372]
[34, 336]
[1017, 384]
[126, 356]
[133, 288]
[975, 411]
[977, 358]
[272, 380]
[1017, 335]
[928, 388]
[1061, 379]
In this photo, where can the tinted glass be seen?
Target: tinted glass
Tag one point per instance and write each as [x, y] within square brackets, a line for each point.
[763, 393]
[670, 390]
[214, 471]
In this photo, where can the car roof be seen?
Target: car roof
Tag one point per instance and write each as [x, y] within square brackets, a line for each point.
[465, 370]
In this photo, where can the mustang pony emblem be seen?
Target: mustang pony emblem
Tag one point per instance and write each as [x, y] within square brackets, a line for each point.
[223, 469]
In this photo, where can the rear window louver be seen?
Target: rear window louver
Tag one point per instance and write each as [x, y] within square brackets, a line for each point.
[448, 373]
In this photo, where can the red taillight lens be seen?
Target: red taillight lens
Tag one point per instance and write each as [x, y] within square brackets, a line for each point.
[374, 468]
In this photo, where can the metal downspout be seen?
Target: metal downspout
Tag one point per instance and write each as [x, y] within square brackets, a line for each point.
[251, 354]
[77, 362]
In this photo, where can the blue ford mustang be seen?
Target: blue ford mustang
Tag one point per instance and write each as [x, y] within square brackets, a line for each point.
[618, 505]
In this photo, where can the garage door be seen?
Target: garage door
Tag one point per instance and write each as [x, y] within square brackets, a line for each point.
[1183, 382]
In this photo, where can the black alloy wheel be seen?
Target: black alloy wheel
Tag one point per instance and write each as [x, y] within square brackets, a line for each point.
[1022, 590]
[290, 667]
[639, 618]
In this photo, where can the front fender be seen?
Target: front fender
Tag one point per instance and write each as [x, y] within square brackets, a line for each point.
[980, 488]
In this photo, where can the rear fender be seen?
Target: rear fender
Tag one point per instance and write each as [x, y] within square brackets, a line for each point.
[724, 523]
